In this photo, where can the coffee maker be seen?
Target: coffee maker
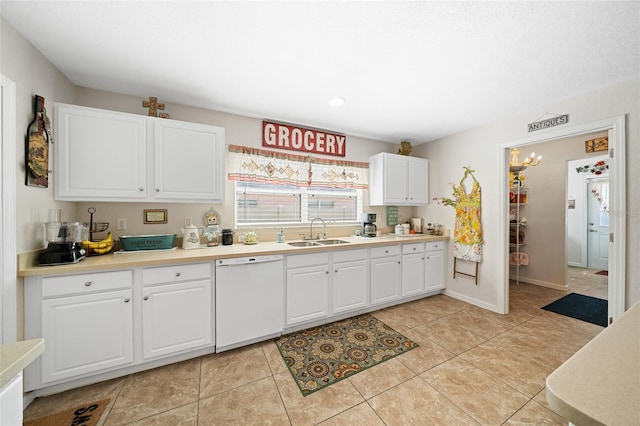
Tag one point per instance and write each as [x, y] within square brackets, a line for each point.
[369, 228]
[65, 243]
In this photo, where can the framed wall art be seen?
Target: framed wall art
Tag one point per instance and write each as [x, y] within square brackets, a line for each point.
[155, 216]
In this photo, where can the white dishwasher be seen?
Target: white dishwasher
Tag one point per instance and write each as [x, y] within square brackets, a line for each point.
[249, 300]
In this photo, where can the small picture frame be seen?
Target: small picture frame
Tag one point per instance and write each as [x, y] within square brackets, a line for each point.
[155, 216]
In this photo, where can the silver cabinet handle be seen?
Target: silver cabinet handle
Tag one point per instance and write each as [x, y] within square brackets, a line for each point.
[326, 272]
[336, 271]
[177, 274]
[398, 262]
[88, 284]
[141, 189]
[157, 189]
[126, 300]
[145, 298]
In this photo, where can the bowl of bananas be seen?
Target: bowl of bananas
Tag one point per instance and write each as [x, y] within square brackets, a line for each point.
[94, 248]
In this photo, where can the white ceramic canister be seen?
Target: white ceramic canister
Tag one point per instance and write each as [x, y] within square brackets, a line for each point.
[399, 229]
[406, 228]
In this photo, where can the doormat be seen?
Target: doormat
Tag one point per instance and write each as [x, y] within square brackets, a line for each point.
[603, 272]
[320, 356]
[579, 306]
[81, 415]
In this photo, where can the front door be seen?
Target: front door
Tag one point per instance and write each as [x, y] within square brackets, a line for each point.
[597, 223]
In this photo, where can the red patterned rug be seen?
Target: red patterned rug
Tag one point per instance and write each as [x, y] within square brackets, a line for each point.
[320, 356]
[602, 273]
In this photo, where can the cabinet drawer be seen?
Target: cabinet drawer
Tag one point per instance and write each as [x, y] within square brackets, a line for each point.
[175, 273]
[315, 259]
[435, 245]
[78, 284]
[412, 248]
[385, 251]
[349, 255]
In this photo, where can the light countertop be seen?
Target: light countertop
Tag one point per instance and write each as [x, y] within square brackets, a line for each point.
[600, 384]
[27, 262]
[15, 357]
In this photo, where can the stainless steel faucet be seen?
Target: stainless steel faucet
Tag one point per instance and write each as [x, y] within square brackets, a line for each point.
[324, 233]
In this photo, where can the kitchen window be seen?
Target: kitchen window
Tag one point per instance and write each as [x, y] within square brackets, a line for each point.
[274, 204]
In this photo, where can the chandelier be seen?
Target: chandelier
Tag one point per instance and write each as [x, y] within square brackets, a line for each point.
[515, 165]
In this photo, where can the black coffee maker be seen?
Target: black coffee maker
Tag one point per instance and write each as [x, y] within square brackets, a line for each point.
[65, 243]
[369, 229]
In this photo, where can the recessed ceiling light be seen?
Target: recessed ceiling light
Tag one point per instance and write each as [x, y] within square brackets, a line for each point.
[337, 101]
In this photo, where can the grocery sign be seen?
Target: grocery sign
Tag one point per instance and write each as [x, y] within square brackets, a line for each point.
[293, 138]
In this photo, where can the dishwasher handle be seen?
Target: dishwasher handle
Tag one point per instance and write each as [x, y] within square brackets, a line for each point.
[249, 260]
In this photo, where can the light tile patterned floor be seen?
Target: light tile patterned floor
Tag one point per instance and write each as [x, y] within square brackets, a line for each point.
[472, 367]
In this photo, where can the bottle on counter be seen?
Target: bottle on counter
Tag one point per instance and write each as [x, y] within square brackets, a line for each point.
[280, 236]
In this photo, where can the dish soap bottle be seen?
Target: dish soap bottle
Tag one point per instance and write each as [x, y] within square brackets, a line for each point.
[280, 236]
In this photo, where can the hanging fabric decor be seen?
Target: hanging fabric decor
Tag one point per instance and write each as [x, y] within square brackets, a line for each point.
[600, 192]
[274, 167]
[467, 232]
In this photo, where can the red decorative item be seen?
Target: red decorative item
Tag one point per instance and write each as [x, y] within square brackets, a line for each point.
[292, 138]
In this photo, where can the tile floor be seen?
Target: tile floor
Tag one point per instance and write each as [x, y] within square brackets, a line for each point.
[472, 367]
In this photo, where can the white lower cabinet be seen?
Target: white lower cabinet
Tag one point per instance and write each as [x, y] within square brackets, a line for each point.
[434, 265]
[386, 274]
[350, 280]
[11, 401]
[307, 287]
[177, 311]
[107, 321]
[413, 269]
[86, 323]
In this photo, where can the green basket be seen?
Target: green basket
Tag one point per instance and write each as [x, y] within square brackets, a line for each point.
[147, 242]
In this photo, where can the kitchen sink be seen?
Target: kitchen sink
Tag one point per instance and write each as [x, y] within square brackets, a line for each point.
[303, 243]
[332, 242]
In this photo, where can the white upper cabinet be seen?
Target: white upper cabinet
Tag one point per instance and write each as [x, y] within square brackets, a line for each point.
[398, 180]
[99, 155]
[189, 161]
[112, 156]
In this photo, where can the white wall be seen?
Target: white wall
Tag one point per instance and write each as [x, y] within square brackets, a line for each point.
[480, 149]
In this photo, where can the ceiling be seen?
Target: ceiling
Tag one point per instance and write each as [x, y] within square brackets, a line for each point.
[413, 71]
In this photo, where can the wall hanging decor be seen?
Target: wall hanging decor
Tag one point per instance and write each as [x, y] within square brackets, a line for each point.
[37, 146]
[467, 231]
[154, 106]
[595, 145]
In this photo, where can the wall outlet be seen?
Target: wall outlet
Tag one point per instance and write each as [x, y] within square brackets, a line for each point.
[187, 221]
[122, 224]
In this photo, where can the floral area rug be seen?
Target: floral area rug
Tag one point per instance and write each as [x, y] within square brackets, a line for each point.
[320, 356]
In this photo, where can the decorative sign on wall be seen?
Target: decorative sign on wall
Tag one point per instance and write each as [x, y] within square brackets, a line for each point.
[549, 122]
[392, 215]
[293, 138]
[595, 145]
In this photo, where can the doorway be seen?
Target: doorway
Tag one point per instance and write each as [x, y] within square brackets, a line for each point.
[617, 203]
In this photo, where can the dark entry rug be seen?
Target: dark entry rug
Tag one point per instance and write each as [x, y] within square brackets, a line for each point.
[603, 272]
[82, 415]
[320, 356]
[579, 306]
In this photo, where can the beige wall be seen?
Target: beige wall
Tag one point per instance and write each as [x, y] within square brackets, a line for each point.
[480, 149]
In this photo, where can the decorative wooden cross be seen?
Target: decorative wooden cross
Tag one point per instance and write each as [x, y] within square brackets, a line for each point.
[153, 106]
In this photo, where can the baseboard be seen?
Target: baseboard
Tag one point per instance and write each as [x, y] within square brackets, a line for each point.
[476, 302]
[555, 286]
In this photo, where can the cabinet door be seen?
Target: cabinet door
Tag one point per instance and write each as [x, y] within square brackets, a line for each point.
[307, 293]
[86, 334]
[386, 274]
[413, 271]
[434, 275]
[99, 155]
[395, 180]
[176, 317]
[418, 181]
[189, 161]
[350, 284]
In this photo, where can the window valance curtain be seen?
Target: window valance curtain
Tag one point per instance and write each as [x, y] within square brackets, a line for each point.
[280, 168]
